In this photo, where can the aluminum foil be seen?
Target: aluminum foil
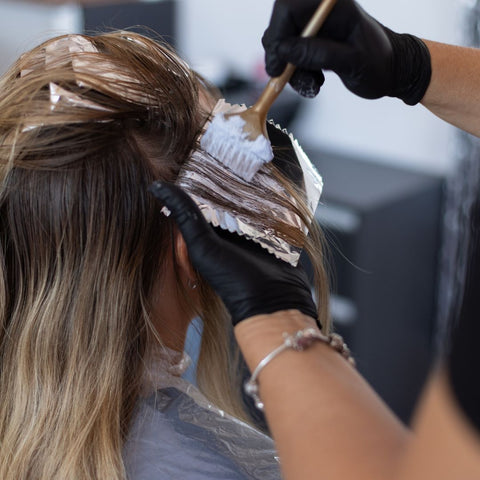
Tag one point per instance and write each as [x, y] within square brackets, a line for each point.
[59, 95]
[241, 213]
[63, 48]
[66, 49]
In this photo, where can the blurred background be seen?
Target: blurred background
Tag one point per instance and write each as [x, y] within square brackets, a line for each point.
[398, 181]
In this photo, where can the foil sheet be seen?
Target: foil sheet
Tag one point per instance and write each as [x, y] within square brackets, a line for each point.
[73, 50]
[177, 433]
[219, 200]
[59, 95]
[65, 50]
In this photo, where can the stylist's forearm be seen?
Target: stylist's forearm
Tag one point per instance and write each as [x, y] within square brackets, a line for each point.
[319, 409]
[454, 91]
[445, 446]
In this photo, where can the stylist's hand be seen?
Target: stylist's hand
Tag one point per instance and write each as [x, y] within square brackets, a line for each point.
[248, 279]
[371, 60]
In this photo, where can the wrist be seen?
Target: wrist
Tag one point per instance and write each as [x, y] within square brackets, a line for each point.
[412, 67]
[259, 335]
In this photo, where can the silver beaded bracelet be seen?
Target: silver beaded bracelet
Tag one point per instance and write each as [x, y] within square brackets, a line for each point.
[299, 341]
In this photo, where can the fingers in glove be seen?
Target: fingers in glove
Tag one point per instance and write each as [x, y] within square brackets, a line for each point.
[280, 27]
[316, 54]
[274, 65]
[199, 236]
[307, 83]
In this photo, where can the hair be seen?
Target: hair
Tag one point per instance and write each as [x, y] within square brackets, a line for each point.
[82, 243]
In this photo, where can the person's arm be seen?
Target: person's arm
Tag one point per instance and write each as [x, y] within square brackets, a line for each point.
[326, 421]
[445, 445]
[454, 90]
[373, 61]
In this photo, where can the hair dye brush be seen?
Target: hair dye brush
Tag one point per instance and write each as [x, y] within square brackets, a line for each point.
[240, 140]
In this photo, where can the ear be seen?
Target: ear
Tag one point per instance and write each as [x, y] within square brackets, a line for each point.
[183, 260]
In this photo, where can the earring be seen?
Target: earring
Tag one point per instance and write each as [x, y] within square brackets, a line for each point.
[192, 284]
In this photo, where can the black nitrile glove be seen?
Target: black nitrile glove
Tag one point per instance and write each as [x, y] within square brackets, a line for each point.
[463, 361]
[371, 60]
[248, 279]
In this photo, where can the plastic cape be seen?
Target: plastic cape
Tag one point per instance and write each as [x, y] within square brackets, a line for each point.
[177, 433]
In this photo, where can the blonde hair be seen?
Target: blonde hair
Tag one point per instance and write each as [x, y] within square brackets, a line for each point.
[81, 244]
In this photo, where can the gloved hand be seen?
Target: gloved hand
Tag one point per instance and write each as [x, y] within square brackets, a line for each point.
[248, 279]
[371, 60]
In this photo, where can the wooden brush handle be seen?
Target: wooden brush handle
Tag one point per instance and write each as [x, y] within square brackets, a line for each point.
[275, 85]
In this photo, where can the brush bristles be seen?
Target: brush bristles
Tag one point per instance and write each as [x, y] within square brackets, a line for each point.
[226, 140]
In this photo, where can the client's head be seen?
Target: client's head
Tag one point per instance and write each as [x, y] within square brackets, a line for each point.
[86, 124]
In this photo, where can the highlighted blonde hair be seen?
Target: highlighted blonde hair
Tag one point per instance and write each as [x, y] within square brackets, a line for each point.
[82, 243]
